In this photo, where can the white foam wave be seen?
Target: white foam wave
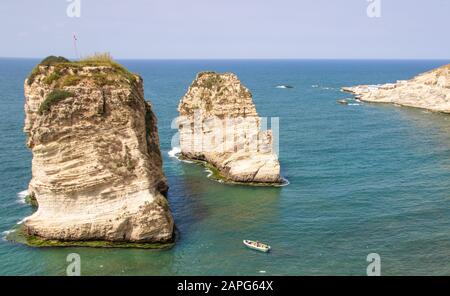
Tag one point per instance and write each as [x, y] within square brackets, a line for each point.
[210, 173]
[322, 87]
[284, 86]
[6, 233]
[174, 152]
[22, 195]
[284, 182]
[23, 220]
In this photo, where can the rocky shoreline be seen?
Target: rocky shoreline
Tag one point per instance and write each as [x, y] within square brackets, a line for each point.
[430, 90]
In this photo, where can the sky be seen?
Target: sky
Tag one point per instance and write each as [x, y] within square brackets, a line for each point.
[228, 29]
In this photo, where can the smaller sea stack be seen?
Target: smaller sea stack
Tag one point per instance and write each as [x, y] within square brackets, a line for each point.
[219, 125]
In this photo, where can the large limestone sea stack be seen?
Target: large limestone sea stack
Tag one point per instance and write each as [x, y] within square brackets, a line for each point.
[219, 125]
[97, 168]
[430, 90]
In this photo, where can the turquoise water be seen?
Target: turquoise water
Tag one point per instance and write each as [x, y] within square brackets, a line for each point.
[363, 178]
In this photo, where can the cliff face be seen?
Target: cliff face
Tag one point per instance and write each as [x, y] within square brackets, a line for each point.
[430, 90]
[219, 124]
[97, 168]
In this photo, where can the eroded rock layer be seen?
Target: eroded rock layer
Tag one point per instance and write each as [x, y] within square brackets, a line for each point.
[97, 168]
[219, 124]
[430, 90]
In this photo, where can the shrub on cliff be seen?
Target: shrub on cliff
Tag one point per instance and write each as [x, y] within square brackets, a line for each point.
[53, 98]
[51, 60]
[71, 80]
[48, 61]
[104, 57]
[110, 72]
[33, 75]
[51, 78]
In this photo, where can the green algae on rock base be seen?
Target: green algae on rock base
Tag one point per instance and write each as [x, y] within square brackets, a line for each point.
[19, 235]
[31, 200]
[218, 177]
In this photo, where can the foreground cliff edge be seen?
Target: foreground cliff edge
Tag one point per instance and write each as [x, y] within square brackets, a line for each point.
[430, 90]
[219, 126]
[97, 173]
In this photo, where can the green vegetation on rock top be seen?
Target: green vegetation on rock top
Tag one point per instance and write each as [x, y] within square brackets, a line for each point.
[52, 60]
[53, 98]
[97, 60]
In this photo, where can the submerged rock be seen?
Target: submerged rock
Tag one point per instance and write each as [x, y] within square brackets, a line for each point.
[430, 90]
[219, 124]
[342, 102]
[97, 168]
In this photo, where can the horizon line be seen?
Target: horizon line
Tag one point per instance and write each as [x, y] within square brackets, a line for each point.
[252, 59]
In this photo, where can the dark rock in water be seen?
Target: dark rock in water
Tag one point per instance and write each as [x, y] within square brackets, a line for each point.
[342, 102]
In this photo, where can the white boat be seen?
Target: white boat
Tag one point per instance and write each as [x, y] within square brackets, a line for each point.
[257, 246]
[284, 86]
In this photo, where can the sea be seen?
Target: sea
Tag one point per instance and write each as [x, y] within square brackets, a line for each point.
[363, 178]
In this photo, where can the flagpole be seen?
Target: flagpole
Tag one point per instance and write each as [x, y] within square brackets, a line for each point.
[75, 46]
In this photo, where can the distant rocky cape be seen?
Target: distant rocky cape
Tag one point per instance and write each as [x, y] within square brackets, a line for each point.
[430, 90]
[97, 168]
[219, 125]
